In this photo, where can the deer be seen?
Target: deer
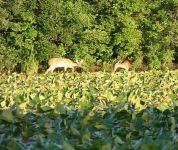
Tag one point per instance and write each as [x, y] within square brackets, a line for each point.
[125, 65]
[62, 63]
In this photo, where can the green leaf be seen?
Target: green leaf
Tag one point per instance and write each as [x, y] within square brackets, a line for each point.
[60, 109]
[14, 145]
[86, 136]
[7, 115]
[46, 107]
[67, 146]
[106, 146]
[74, 130]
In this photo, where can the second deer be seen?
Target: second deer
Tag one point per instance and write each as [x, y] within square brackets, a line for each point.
[62, 63]
[125, 65]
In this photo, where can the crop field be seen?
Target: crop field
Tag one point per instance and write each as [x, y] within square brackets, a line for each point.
[89, 111]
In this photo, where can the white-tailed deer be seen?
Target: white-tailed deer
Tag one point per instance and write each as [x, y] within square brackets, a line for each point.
[62, 63]
[125, 65]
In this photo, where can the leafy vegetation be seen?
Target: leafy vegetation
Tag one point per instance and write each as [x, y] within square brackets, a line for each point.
[96, 111]
[100, 32]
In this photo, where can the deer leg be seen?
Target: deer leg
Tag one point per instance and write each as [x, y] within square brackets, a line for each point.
[53, 69]
[115, 68]
[72, 69]
[65, 69]
[50, 69]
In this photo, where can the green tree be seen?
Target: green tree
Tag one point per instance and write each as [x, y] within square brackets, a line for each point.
[100, 32]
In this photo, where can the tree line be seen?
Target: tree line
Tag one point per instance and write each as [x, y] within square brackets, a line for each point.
[100, 32]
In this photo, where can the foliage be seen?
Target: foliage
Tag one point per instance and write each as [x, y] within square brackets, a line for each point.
[97, 31]
[89, 111]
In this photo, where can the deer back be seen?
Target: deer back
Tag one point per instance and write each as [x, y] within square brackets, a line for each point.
[127, 64]
[61, 62]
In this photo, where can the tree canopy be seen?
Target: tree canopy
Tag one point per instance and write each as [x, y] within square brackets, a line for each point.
[33, 31]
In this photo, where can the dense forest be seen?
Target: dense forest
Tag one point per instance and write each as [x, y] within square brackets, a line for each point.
[99, 31]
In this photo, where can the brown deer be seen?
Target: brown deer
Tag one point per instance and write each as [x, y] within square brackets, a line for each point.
[62, 63]
[125, 65]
